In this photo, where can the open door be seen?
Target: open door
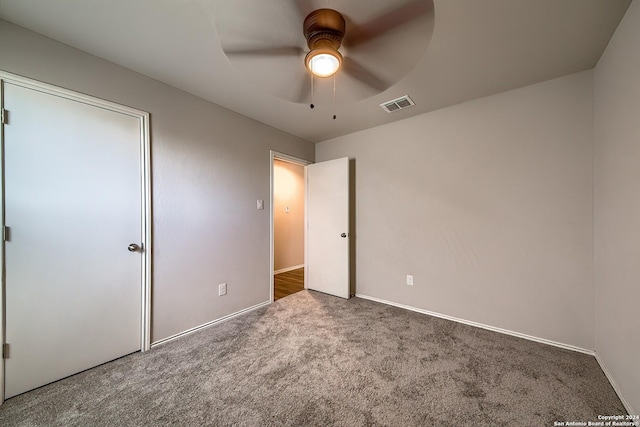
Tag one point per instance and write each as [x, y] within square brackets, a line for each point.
[327, 254]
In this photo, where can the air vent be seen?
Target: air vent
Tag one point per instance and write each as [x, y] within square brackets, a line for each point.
[397, 104]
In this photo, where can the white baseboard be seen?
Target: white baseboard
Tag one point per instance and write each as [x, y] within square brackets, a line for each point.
[481, 325]
[284, 270]
[615, 386]
[206, 325]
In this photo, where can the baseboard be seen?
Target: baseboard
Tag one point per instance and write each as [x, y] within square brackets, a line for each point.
[284, 270]
[615, 386]
[206, 325]
[481, 325]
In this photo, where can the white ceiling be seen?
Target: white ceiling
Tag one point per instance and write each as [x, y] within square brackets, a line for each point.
[465, 50]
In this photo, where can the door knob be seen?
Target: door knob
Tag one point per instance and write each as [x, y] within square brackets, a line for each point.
[343, 235]
[133, 247]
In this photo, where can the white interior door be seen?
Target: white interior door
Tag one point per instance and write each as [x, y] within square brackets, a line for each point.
[328, 227]
[73, 205]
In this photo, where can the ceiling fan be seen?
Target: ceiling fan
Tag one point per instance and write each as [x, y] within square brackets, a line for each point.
[337, 45]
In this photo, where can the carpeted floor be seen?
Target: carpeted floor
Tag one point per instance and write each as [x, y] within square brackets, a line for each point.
[312, 359]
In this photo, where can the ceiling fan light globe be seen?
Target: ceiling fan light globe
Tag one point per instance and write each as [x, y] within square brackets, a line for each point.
[323, 64]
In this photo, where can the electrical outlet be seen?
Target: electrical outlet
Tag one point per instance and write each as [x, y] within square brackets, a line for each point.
[409, 280]
[222, 289]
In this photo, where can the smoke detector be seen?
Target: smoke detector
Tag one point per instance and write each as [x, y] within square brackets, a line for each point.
[397, 104]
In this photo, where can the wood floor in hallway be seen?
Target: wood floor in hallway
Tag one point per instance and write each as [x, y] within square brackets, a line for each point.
[288, 283]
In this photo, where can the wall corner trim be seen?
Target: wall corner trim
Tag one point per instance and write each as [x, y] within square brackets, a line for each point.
[615, 386]
[211, 323]
[481, 325]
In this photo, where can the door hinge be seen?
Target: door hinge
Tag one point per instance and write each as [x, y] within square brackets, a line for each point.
[5, 233]
[4, 116]
[5, 351]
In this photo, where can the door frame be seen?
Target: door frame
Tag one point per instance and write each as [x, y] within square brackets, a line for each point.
[145, 183]
[275, 155]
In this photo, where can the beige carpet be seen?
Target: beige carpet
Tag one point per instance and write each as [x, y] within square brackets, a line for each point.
[312, 359]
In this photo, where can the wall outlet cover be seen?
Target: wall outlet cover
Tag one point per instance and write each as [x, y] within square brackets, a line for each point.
[222, 289]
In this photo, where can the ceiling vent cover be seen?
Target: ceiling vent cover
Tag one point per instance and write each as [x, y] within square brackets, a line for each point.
[397, 104]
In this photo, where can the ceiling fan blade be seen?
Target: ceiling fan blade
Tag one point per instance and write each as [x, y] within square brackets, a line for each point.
[304, 90]
[363, 33]
[358, 72]
[267, 51]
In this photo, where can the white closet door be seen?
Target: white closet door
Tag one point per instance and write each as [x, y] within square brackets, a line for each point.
[328, 227]
[73, 205]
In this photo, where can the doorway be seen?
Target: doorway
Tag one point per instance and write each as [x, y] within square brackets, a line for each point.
[287, 225]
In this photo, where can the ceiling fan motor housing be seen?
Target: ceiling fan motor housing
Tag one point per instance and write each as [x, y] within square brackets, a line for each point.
[324, 28]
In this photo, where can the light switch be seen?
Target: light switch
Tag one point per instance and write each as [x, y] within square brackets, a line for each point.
[286, 209]
[260, 204]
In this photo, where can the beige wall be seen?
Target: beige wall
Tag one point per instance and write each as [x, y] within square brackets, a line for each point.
[488, 204]
[209, 166]
[617, 206]
[288, 227]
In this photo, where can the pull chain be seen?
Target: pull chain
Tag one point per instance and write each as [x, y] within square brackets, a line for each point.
[334, 97]
[312, 106]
